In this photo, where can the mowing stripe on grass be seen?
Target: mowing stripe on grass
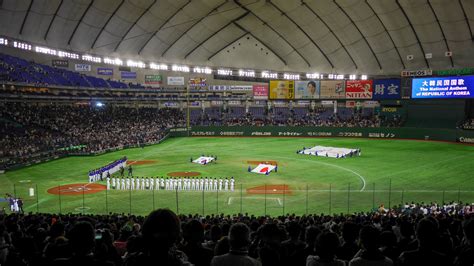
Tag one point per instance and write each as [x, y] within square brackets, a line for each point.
[362, 179]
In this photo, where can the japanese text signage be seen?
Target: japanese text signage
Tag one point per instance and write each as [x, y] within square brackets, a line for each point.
[359, 89]
[447, 87]
[386, 89]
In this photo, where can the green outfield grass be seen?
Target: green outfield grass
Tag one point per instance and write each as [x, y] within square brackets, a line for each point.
[410, 170]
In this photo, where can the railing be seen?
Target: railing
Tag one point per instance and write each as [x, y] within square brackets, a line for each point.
[268, 199]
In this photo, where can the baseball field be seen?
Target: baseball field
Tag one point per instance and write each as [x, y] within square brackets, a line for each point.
[388, 172]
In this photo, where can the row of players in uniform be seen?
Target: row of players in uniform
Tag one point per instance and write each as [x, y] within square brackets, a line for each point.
[197, 184]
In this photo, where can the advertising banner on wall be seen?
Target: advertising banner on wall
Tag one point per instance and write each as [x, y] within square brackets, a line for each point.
[82, 67]
[230, 87]
[153, 80]
[197, 82]
[307, 89]
[282, 89]
[359, 89]
[417, 73]
[386, 89]
[260, 92]
[60, 63]
[446, 87]
[176, 81]
[105, 71]
[332, 89]
[128, 75]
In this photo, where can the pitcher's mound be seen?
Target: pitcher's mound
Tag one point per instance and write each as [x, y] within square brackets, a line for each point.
[77, 189]
[183, 174]
[270, 189]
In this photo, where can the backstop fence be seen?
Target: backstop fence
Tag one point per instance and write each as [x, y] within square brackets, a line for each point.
[265, 200]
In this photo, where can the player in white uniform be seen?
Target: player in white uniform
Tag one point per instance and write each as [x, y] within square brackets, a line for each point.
[180, 184]
[232, 184]
[152, 183]
[226, 184]
[108, 183]
[162, 183]
[132, 183]
[127, 182]
[167, 184]
[201, 184]
[215, 184]
[147, 183]
[220, 184]
[206, 184]
[123, 183]
[113, 183]
[142, 183]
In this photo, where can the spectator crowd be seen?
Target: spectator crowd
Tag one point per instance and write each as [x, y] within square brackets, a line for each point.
[37, 130]
[30, 130]
[396, 237]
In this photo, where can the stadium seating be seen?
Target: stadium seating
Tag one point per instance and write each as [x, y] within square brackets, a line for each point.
[409, 234]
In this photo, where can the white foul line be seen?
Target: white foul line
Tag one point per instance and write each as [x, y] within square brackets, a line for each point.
[337, 166]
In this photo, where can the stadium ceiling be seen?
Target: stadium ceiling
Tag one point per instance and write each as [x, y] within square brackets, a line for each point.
[328, 36]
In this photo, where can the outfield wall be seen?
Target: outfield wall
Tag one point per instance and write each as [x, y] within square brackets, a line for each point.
[453, 135]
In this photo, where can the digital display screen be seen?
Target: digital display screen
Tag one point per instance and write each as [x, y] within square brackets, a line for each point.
[443, 87]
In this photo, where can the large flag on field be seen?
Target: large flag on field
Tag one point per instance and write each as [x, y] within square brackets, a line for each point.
[204, 160]
[263, 168]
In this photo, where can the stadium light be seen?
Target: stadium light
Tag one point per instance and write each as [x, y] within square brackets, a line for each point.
[138, 64]
[68, 55]
[331, 76]
[45, 50]
[180, 68]
[22, 45]
[269, 75]
[312, 75]
[291, 76]
[158, 67]
[352, 77]
[3, 41]
[115, 61]
[202, 70]
[247, 73]
[340, 77]
[363, 77]
[91, 58]
[224, 72]
[99, 104]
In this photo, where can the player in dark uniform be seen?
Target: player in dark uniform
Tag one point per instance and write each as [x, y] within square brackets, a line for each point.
[130, 171]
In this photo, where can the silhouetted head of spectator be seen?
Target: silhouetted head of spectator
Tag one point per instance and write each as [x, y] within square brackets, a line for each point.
[326, 245]
[193, 232]
[426, 232]
[215, 233]
[239, 236]
[161, 230]
[271, 234]
[468, 228]
[406, 229]
[56, 230]
[350, 232]
[82, 238]
[293, 230]
[310, 235]
[369, 237]
[387, 239]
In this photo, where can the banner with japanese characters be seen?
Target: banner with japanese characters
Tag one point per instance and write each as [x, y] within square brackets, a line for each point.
[386, 89]
[282, 89]
[359, 89]
[332, 89]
